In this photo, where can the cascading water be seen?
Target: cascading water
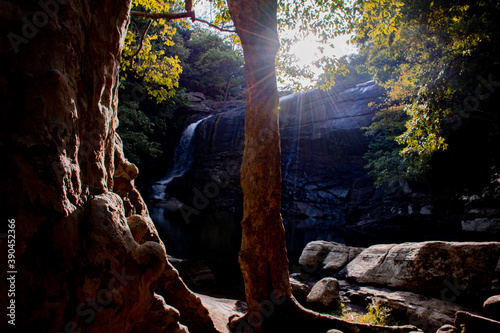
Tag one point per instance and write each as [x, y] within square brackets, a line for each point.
[183, 160]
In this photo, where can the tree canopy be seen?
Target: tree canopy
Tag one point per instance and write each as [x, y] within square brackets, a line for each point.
[431, 56]
[145, 50]
[213, 65]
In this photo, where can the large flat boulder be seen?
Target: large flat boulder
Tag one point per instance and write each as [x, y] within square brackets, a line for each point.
[448, 270]
[321, 257]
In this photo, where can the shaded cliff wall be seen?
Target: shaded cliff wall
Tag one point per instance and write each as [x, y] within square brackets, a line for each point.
[87, 255]
[326, 192]
[322, 156]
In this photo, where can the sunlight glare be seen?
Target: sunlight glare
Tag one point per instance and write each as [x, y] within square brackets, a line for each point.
[306, 51]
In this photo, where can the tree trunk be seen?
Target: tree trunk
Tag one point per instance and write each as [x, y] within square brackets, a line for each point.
[85, 257]
[263, 256]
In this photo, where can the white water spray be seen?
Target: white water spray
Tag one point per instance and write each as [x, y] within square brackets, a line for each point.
[183, 160]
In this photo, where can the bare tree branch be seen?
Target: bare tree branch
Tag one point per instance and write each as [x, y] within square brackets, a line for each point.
[177, 16]
[141, 44]
[215, 27]
[164, 16]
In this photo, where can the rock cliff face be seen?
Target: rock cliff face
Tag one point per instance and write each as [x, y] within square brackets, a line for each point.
[322, 158]
[87, 255]
[325, 191]
[322, 148]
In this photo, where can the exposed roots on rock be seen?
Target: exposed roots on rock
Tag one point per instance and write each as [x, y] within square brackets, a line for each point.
[291, 317]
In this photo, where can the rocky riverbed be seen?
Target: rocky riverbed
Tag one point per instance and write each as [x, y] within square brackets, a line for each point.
[414, 282]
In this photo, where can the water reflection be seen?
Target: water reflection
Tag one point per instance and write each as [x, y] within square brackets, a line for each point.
[173, 233]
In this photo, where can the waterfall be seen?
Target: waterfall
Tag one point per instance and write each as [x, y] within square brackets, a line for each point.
[183, 160]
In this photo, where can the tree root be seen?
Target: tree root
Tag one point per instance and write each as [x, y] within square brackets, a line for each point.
[291, 317]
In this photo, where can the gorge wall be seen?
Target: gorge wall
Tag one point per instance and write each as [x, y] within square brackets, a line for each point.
[86, 255]
[326, 192]
[322, 163]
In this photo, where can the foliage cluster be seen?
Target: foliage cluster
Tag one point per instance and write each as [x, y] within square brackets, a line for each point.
[428, 55]
[171, 55]
[376, 315]
[148, 129]
[211, 65]
[135, 126]
[145, 52]
[318, 19]
[353, 71]
[173, 58]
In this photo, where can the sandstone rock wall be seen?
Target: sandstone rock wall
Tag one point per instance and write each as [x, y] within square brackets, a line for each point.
[87, 254]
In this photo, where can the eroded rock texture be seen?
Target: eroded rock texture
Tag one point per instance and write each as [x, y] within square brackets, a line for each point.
[323, 257]
[87, 255]
[448, 270]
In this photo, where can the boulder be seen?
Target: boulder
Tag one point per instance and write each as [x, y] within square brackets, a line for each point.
[427, 313]
[321, 257]
[316, 252]
[197, 102]
[491, 307]
[324, 295]
[196, 96]
[299, 290]
[340, 256]
[447, 270]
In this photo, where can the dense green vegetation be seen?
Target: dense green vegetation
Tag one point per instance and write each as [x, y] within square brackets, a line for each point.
[214, 66]
[437, 60]
[148, 128]
[173, 59]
